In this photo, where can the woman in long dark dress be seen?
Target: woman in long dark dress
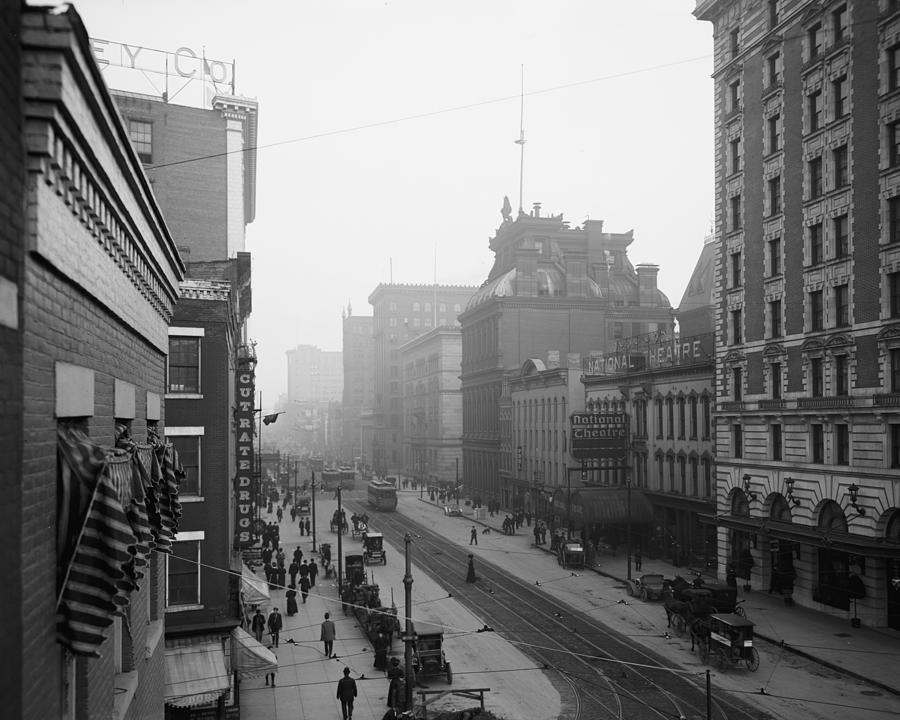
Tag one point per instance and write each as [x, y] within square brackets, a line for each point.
[291, 596]
[470, 575]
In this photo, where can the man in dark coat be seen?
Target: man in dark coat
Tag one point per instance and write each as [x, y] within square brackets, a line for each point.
[346, 693]
[298, 555]
[258, 625]
[275, 624]
[306, 524]
[304, 586]
[313, 571]
[293, 570]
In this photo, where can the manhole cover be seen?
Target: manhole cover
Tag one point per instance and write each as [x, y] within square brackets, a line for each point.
[843, 635]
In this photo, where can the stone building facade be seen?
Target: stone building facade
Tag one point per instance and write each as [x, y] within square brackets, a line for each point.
[432, 407]
[358, 353]
[552, 289]
[807, 96]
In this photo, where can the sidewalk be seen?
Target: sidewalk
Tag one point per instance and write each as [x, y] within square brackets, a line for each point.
[869, 654]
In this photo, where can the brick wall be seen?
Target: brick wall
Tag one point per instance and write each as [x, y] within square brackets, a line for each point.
[12, 218]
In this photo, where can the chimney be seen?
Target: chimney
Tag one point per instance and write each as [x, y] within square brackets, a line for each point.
[647, 283]
[537, 210]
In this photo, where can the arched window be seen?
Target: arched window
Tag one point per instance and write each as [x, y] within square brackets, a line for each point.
[780, 510]
[740, 506]
[831, 517]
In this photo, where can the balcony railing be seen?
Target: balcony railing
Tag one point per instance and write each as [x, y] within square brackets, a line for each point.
[772, 404]
[887, 400]
[731, 405]
[819, 403]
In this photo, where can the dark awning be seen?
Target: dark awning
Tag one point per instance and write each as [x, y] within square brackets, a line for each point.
[610, 505]
[249, 656]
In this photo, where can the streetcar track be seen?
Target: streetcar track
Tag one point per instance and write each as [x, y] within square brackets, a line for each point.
[434, 546]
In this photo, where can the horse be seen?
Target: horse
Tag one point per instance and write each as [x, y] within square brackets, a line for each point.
[699, 632]
[674, 607]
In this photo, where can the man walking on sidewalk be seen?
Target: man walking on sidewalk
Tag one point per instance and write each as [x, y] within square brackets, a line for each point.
[313, 571]
[274, 625]
[327, 635]
[346, 692]
[473, 536]
[258, 625]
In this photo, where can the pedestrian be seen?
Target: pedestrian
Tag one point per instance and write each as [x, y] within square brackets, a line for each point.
[395, 689]
[304, 587]
[473, 536]
[274, 623]
[470, 574]
[271, 674]
[731, 576]
[298, 555]
[300, 525]
[291, 596]
[304, 570]
[637, 558]
[293, 570]
[267, 553]
[327, 635]
[381, 643]
[346, 692]
[293, 514]
[307, 527]
[279, 514]
[313, 571]
[537, 535]
[258, 625]
[271, 577]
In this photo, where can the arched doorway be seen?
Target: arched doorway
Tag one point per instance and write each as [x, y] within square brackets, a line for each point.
[741, 540]
[892, 594]
[833, 572]
[781, 552]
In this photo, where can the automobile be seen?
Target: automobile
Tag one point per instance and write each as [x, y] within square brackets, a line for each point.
[428, 651]
[453, 511]
[647, 587]
[571, 555]
[373, 548]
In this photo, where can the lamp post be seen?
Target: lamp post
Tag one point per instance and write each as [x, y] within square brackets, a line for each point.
[340, 547]
[312, 487]
[407, 655]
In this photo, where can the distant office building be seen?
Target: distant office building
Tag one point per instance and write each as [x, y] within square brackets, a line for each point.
[359, 391]
[314, 375]
[553, 288]
[432, 407]
[401, 313]
[807, 145]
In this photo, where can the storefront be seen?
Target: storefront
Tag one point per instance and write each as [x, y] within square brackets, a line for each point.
[602, 514]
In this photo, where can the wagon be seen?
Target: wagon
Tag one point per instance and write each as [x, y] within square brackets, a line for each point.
[730, 642]
[647, 587]
[695, 603]
[570, 555]
[428, 651]
[373, 548]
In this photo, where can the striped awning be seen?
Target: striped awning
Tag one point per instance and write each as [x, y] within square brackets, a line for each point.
[249, 656]
[195, 674]
[254, 590]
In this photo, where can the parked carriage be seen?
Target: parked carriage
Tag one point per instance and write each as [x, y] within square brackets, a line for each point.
[428, 651]
[338, 522]
[730, 641]
[304, 505]
[570, 555]
[688, 606]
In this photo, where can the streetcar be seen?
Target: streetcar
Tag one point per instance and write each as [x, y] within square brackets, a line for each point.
[348, 477]
[331, 480]
[382, 495]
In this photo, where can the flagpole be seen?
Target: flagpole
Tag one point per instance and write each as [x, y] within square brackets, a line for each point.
[521, 141]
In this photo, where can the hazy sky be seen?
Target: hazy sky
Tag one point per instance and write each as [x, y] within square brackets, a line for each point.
[618, 122]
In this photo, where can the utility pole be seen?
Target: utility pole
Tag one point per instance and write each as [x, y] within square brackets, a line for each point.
[339, 547]
[312, 486]
[407, 587]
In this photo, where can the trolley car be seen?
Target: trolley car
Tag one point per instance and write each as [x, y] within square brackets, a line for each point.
[348, 477]
[382, 495]
[331, 480]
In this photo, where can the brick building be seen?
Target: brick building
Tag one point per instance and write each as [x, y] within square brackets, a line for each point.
[665, 384]
[92, 279]
[358, 352]
[432, 407]
[552, 288]
[314, 375]
[401, 313]
[807, 96]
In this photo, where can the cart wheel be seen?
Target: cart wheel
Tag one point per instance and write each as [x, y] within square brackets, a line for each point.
[753, 660]
[739, 611]
[678, 625]
[723, 659]
[644, 595]
[449, 675]
[704, 650]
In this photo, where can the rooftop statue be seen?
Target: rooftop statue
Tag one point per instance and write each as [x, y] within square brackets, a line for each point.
[506, 211]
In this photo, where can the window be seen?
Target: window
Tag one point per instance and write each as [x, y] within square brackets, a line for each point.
[894, 294]
[695, 480]
[682, 474]
[815, 177]
[417, 322]
[816, 379]
[772, 64]
[416, 307]
[817, 439]
[457, 307]
[775, 318]
[775, 375]
[841, 375]
[736, 212]
[841, 226]
[183, 586]
[775, 257]
[392, 306]
[774, 139]
[895, 445]
[775, 195]
[442, 307]
[735, 156]
[736, 379]
[839, 24]
[773, 13]
[816, 310]
[141, 134]
[707, 417]
[188, 447]
[735, 42]
[815, 244]
[736, 322]
[841, 305]
[670, 416]
[814, 107]
[839, 88]
[776, 441]
[894, 219]
[427, 307]
[737, 441]
[693, 415]
[894, 143]
[894, 361]
[659, 417]
[841, 166]
[894, 67]
[735, 269]
[814, 37]
[841, 444]
[707, 478]
[735, 95]
[184, 364]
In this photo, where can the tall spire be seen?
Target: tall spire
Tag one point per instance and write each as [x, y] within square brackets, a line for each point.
[521, 141]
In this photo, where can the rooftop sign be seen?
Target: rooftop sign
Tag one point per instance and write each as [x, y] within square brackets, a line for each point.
[650, 352]
[598, 435]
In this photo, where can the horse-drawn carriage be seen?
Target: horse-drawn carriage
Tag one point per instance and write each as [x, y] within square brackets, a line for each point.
[428, 651]
[373, 548]
[570, 555]
[686, 606]
[729, 639]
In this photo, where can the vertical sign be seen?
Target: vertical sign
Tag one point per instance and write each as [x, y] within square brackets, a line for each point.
[243, 507]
